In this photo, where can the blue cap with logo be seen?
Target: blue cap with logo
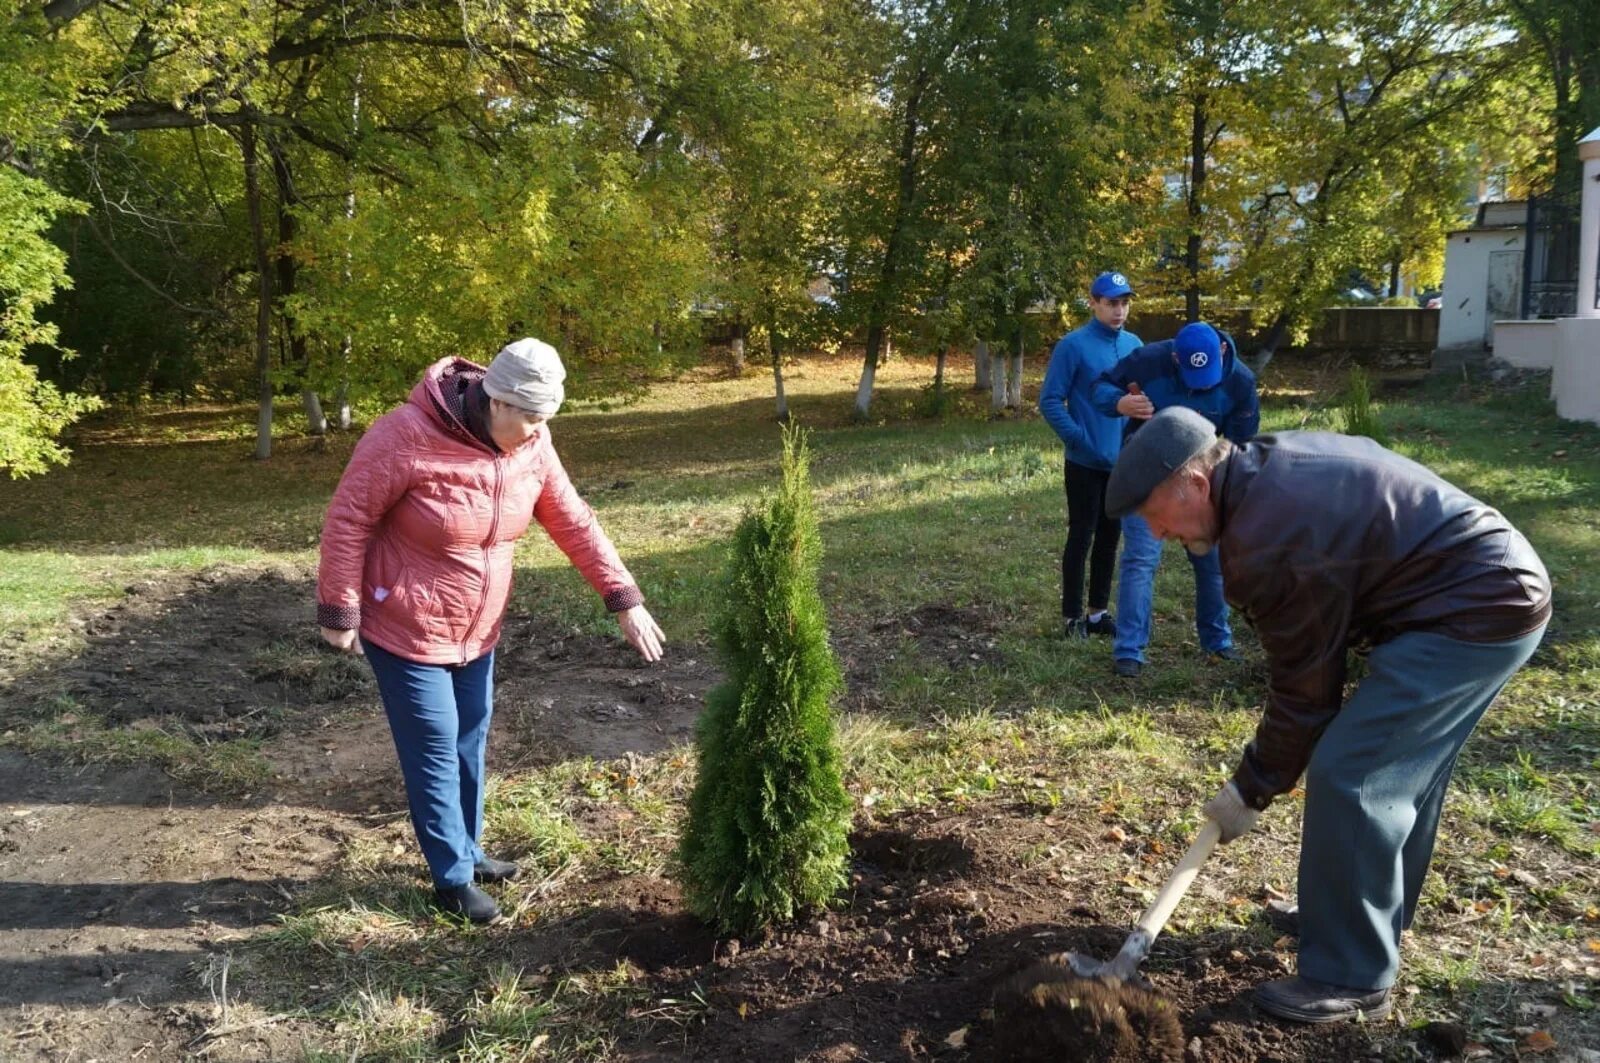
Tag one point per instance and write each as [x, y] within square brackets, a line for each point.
[1110, 285]
[1199, 352]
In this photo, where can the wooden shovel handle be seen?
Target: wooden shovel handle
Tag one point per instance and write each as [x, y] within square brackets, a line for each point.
[1155, 917]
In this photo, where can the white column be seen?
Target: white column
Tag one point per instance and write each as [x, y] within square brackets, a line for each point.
[1575, 383]
[1589, 233]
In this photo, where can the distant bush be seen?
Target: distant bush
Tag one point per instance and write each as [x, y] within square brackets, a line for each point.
[1356, 411]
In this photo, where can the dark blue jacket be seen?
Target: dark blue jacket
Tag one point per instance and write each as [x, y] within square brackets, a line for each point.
[1232, 405]
[1066, 400]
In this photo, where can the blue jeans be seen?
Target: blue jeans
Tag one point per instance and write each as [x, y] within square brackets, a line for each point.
[439, 717]
[1136, 591]
[1374, 790]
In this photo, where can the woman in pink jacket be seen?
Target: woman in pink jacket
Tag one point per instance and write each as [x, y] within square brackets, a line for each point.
[416, 569]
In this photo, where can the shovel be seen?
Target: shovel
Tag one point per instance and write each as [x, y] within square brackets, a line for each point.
[1125, 967]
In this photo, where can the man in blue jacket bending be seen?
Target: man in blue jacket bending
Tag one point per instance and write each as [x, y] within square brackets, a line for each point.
[1199, 369]
[1093, 440]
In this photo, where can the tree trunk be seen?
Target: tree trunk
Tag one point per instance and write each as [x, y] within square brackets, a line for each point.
[347, 343]
[980, 366]
[288, 280]
[343, 398]
[938, 368]
[1394, 277]
[316, 421]
[997, 380]
[1197, 184]
[252, 196]
[1014, 385]
[737, 348]
[869, 372]
[1270, 341]
[776, 340]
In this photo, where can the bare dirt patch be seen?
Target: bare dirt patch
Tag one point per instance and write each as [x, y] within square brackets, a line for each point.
[121, 891]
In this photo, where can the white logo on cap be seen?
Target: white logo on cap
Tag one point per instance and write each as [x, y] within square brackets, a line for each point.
[1117, 278]
[1198, 360]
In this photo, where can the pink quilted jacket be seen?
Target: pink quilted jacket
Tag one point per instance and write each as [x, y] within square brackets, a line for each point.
[418, 542]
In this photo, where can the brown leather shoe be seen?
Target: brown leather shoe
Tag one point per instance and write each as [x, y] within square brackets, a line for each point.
[1304, 1000]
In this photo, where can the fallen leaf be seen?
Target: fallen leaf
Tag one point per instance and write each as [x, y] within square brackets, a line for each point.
[1538, 959]
[1539, 1041]
[538, 1042]
[1284, 942]
[1593, 945]
[744, 1010]
[1115, 835]
[958, 1039]
[1483, 906]
[1475, 1050]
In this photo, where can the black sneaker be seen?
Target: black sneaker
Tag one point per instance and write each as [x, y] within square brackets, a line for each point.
[1106, 625]
[1227, 653]
[1282, 916]
[467, 901]
[491, 870]
[1074, 628]
[1127, 667]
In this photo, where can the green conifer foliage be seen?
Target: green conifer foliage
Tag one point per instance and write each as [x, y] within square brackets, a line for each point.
[766, 836]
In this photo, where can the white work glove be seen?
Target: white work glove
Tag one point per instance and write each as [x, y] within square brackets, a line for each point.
[1231, 813]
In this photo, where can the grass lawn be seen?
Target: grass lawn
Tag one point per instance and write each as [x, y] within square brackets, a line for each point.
[942, 540]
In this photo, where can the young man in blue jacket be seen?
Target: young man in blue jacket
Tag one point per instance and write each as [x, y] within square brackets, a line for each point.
[1093, 440]
[1199, 369]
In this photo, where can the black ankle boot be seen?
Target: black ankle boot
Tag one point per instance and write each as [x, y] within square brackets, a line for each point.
[467, 901]
[491, 870]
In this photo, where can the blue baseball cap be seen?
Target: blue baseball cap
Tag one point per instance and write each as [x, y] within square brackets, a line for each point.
[1199, 351]
[1110, 285]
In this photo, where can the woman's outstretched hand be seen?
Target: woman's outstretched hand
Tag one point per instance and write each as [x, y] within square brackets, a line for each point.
[642, 632]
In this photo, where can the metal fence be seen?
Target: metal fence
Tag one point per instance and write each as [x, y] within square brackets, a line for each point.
[1550, 258]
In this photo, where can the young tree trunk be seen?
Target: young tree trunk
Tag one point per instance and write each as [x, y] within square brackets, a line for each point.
[737, 348]
[347, 343]
[1196, 205]
[938, 368]
[980, 366]
[316, 421]
[869, 372]
[1394, 277]
[776, 340]
[252, 196]
[997, 381]
[1014, 385]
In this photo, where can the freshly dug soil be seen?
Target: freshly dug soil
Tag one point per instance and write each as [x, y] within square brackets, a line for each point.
[1046, 1013]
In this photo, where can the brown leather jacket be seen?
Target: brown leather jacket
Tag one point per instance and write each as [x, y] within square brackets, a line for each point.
[1330, 542]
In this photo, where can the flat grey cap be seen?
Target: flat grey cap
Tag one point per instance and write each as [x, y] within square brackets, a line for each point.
[1156, 451]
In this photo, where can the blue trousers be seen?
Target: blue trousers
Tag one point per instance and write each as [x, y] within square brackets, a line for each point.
[1374, 790]
[439, 717]
[1136, 592]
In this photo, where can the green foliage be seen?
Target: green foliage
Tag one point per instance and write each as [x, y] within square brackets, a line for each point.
[766, 834]
[32, 411]
[1355, 410]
